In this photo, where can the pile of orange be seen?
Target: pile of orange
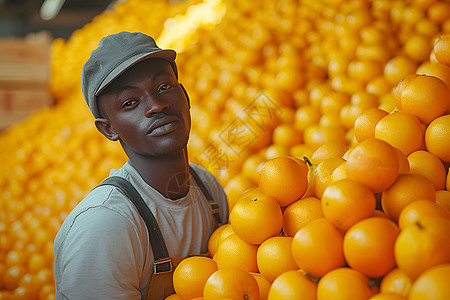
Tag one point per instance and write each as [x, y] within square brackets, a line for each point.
[365, 237]
[359, 87]
[366, 221]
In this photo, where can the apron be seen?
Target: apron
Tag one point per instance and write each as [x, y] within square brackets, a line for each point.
[159, 284]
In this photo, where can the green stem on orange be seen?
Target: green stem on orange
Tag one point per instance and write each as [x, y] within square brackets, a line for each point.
[312, 277]
[307, 161]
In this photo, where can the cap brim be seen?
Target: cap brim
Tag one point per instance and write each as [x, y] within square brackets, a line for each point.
[166, 54]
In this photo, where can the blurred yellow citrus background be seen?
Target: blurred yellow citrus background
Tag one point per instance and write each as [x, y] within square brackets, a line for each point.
[265, 79]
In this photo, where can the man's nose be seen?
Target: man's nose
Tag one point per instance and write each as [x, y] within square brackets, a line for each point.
[154, 106]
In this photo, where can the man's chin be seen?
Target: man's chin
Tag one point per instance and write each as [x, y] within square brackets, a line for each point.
[172, 150]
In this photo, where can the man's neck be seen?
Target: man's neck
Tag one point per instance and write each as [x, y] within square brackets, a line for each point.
[168, 174]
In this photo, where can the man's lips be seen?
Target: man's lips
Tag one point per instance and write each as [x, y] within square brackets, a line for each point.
[163, 125]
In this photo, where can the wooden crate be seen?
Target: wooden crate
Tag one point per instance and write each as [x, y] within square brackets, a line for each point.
[24, 77]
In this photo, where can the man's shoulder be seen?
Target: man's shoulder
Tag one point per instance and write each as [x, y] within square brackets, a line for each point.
[102, 205]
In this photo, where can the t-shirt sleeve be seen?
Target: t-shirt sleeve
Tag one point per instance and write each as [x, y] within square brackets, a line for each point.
[99, 257]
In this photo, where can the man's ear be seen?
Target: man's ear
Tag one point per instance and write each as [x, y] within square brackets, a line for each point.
[187, 96]
[104, 126]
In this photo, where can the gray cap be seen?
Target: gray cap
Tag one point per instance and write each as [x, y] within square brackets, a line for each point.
[115, 54]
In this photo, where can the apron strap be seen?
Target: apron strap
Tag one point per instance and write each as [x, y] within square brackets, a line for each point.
[212, 204]
[161, 255]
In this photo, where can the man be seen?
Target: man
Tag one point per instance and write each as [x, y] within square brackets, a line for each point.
[103, 249]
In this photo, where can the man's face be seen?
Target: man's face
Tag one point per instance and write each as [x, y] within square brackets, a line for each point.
[147, 109]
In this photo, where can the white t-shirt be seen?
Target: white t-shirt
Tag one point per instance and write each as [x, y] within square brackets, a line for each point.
[102, 249]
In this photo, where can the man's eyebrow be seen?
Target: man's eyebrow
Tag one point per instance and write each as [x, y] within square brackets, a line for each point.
[160, 73]
[130, 87]
[122, 90]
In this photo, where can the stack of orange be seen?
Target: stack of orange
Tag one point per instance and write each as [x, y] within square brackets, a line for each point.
[369, 221]
[287, 78]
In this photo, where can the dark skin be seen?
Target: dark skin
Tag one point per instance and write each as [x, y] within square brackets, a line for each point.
[148, 112]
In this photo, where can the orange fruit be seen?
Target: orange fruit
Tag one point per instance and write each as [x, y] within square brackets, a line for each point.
[417, 47]
[387, 103]
[402, 130]
[398, 68]
[328, 150]
[317, 248]
[347, 154]
[407, 188]
[213, 241]
[403, 163]
[333, 101]
[366, 122]
[12, 275]
[432, 284]
[364, 100]
[429, 165]
[374, 163]
[190, 276]
[287, 115]
[437, 136]
[233, 252]
[284, 179]
[383, 296]
[346, 202]
[443, 199]
[274, 151]
[426, 97]
[301, 150]
[235, 187]
[423, 245]
[322, 174]
[292, 285]
[379, 213]
[306, 115]
[447, 182]
[395, 282]
[232, 283]
[401, 87]
[345, 283]
[301, 213]
[364, 70]
[369, 246]
[316, 135]
[442, 49]
[286, 135]
[348, 115]
[274, 257]
[224, 233]
[439, 11]
[251, 167]
[317, 92]
[419, 209]
[302, 163]
[435, 69]
[249, 218]
[331, 119]
[339, 173]
[378, 86]
[310, 175]
[263, 285]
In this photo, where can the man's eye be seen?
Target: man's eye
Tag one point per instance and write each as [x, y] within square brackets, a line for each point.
[129, 103]
[164, 87]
